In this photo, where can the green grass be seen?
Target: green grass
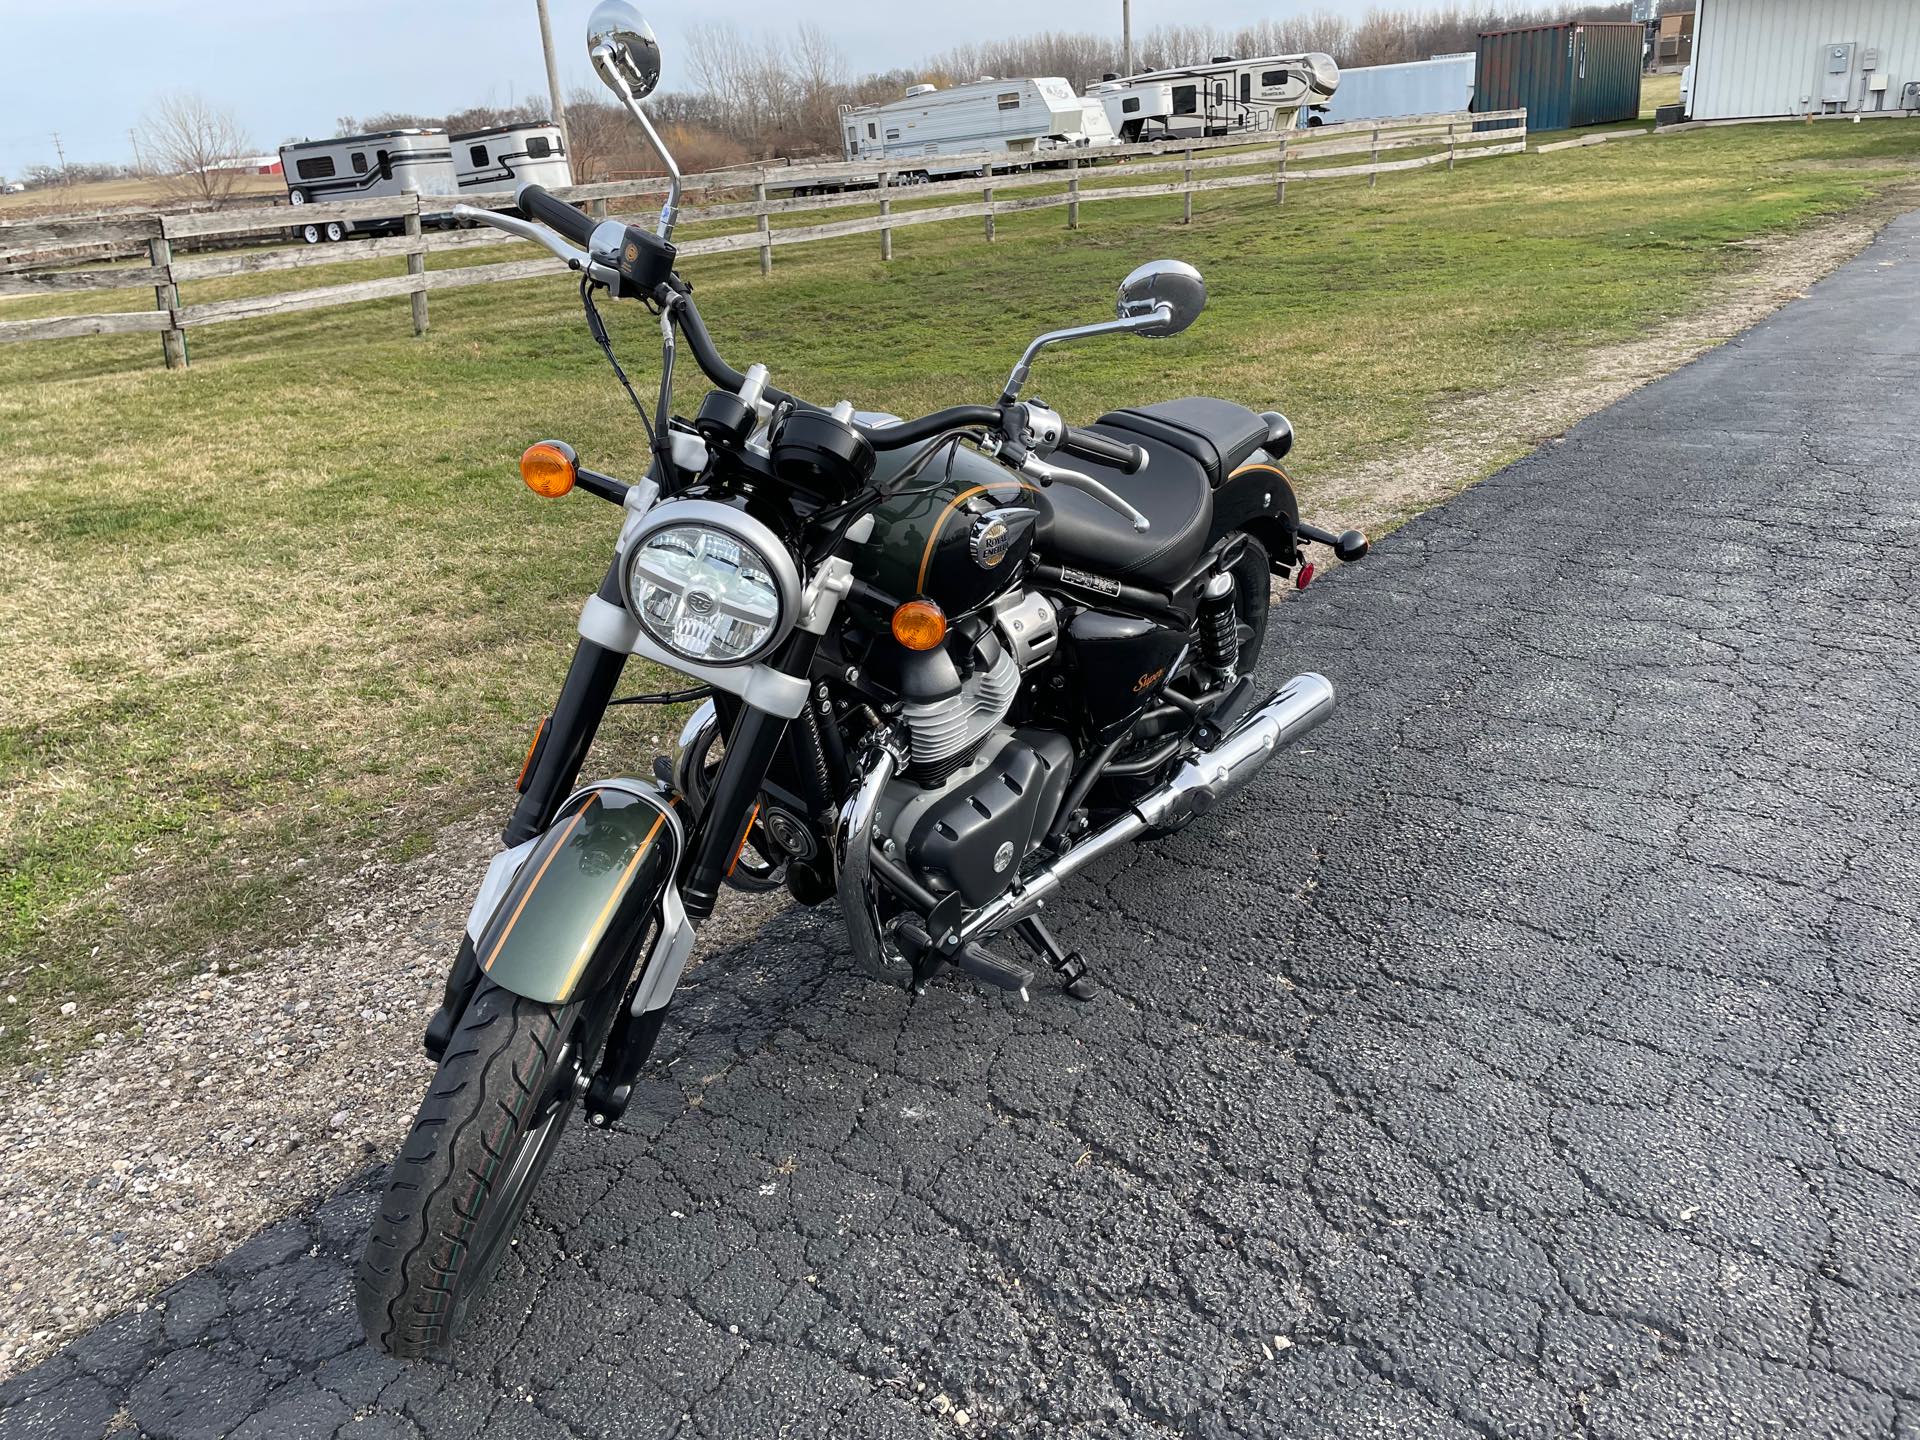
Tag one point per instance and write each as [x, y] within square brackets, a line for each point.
[281, 613]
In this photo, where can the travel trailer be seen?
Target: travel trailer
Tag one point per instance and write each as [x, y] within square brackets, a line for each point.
[1224, 97]
[502, 156]
[358, 167]
[1019, 117]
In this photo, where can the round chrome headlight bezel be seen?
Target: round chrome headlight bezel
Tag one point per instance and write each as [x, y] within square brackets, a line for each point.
[644, 576]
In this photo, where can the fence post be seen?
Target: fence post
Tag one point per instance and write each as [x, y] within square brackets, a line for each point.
[598, 208]
[166, 296]
[1280, 180]
[417, 265]
[987, 195]
[886, 209]
[1373, 162]
[1073, 194]
[1186, 191]
[765, 226]
[1450, 144]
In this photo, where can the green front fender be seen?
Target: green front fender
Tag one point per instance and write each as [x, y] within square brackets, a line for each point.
[578, 909]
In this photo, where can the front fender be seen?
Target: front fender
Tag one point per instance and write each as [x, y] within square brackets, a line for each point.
[579, 904]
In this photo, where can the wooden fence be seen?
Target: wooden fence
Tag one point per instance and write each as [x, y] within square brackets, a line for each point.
[159, 244]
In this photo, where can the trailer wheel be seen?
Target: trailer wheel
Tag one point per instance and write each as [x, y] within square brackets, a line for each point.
[296, 197]
[310, 234]
[336, 231]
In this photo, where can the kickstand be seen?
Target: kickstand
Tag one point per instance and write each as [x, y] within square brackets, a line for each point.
[1076, 976]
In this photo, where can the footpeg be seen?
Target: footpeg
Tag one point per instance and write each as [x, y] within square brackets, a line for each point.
[972, 957]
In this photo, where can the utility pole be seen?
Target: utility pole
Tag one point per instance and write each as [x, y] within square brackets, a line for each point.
[1126, 37]
[59, 150]
[133, 136]
[553, 77]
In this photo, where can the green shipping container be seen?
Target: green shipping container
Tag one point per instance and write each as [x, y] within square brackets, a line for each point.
[1579, 72]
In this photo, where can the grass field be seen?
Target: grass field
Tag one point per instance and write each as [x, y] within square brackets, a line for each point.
[291, 608]
[119, 195]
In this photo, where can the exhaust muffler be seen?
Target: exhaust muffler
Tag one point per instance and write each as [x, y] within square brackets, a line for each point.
[1199, 785]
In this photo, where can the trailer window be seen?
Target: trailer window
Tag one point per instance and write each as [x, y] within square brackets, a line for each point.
[316, 167]
[893, 134]
[1130, 105]
[1186, 99]
[359, 162]
[386, 164]
[538, 147]
[1271, 78]
[476, 155]
[1009, 100]
[873, 132]
[1246, 85]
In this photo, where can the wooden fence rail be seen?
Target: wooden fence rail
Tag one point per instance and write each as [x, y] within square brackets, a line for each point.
[1201, 166]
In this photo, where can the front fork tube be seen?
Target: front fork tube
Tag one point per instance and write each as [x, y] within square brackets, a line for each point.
[751, 748]
[576, 720]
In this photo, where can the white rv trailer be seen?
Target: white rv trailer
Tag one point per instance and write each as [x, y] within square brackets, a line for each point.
[1017, 117]
[1224, 97]
[501, 156]
[1414, 87]
[357, 167]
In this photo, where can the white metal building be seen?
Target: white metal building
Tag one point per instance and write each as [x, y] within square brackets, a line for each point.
[1799, 57]
[1413, 87]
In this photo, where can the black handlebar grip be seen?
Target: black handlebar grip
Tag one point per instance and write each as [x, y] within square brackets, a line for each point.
[554, 213]
[1128, 459]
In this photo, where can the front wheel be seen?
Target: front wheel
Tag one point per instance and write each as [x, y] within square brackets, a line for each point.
[483, 1137]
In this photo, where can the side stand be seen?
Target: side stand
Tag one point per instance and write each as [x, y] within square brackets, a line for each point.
[1076, 976]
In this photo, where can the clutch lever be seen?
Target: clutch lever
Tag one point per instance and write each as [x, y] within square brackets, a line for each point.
[575, 259]
[1038, 470]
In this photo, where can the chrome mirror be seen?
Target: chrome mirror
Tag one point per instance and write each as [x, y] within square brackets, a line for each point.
[626, 57]
[1170, 286]
[1161, 298]
[623, 49]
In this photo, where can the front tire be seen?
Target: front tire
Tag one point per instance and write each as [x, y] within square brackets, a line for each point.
[482, 1139]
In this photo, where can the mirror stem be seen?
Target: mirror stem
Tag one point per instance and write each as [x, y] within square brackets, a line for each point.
[670, 210]
[1158, 315]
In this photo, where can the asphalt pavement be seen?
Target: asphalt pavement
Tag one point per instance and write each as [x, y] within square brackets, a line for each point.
[1535, 1052]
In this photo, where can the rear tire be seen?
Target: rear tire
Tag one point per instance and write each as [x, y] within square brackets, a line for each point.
[483, 1137]
[336, 231]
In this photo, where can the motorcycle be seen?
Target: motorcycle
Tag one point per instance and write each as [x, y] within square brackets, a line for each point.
[941, 672]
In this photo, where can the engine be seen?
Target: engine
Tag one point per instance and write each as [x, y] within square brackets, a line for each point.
[945, 729]
[977, 794]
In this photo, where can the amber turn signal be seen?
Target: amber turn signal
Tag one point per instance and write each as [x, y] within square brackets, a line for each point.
[549, 467]
[919, 624]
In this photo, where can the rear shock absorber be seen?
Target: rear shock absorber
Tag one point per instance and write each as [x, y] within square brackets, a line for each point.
[1219, 625]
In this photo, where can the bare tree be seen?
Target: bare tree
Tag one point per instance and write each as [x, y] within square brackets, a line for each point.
[192, 145]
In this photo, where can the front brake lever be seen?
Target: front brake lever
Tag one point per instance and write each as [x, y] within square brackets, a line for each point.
[1034, 468]
[539, 234]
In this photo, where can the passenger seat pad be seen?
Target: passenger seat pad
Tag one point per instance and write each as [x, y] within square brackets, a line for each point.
[1217, 434]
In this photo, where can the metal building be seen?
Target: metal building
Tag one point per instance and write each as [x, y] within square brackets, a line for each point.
[1573, 73]
[1801, 57]
[1413, 87]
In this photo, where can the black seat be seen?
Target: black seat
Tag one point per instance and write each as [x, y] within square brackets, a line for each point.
[1172, 492]
[1218, 435]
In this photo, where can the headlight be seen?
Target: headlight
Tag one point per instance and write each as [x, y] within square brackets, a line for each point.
[709, 584]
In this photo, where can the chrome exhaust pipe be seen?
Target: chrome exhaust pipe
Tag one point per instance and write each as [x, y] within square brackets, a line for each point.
[1201, 783]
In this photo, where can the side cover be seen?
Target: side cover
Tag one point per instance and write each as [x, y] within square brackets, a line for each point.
[578, 908]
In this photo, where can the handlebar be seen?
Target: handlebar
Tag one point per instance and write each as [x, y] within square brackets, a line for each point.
[556, 214]
[544, 208]
[1127, 459]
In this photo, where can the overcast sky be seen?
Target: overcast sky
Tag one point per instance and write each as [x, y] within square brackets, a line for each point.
[88, 70]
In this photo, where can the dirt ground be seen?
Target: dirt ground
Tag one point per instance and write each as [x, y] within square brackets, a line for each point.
[238, 1096]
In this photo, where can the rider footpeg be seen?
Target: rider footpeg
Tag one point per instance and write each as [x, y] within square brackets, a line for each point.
[972, 957]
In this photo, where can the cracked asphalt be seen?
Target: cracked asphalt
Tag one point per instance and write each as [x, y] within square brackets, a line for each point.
[1534, 1053]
